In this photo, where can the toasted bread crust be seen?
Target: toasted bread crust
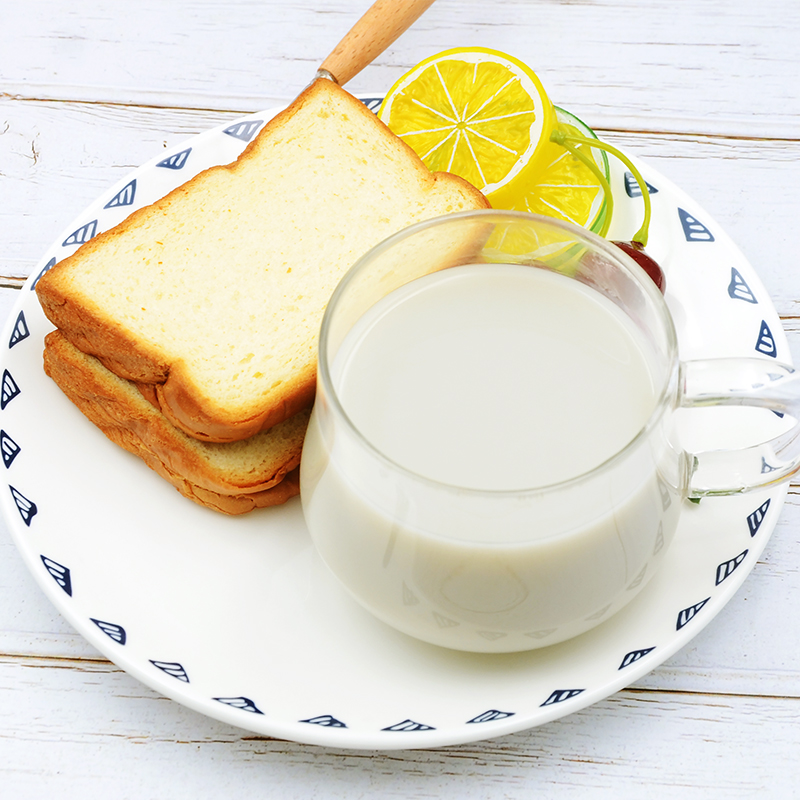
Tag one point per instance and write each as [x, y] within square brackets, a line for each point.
[288, 488]
[127, 418]
[183, 410]
[143, 358]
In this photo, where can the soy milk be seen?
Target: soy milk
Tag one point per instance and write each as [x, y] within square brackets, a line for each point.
[483, 383]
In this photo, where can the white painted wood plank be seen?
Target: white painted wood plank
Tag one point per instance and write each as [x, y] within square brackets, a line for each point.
[86, 730]
[713, 66]
[56, 158]
[7, 299]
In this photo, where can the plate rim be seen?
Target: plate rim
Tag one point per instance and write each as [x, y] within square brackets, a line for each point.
[353, 738]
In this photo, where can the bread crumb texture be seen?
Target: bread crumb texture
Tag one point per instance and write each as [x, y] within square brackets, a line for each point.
[228, 276]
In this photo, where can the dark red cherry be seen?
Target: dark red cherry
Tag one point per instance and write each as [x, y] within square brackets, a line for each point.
[636, 251]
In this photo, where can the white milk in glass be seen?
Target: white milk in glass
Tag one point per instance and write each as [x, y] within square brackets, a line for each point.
[481, 382]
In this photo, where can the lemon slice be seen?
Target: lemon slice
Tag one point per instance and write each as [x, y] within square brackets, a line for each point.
[566, 188]
[478, 113]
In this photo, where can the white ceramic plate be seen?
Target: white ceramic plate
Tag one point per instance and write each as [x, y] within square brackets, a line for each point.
[238, 618]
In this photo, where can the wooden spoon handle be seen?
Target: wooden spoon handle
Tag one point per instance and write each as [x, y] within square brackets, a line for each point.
[383, 22]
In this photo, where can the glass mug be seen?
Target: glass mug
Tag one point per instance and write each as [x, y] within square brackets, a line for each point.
[511, 564]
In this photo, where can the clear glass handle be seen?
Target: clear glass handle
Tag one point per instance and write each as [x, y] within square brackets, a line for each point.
[753, 382]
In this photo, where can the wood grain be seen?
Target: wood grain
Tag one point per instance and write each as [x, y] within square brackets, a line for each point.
[129, 742]
[685, 66]
[383, 22]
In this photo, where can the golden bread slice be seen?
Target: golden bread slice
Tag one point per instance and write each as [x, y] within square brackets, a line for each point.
[232, 477]
[215, 293]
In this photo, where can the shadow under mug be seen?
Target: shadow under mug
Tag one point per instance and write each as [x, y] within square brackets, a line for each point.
[512, 570]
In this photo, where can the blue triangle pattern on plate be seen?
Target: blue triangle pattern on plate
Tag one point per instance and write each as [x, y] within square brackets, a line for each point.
[688, 614]
[560, 695]
[47, 267]
[766, 342]
[115, 632]
[634, 656]
[326, 721]
[372, 103]
[543, 634]
[20, 331]
[172, 668]
[176, 160]
[638, 579]
[666, 498]
[8, 389]
[9, 449]
[27, 508]
[492, 636]
[243, 703]
[738, 288]
[765, 468]
[82, 235]
[755, 519]
[727, 568]
[244, 130]
[600, 613]
[409, 725]
[490, 716]
[632, 186]
[659, 539]
[409, 598]
[59, 573]
[693, 229]
[124, 197]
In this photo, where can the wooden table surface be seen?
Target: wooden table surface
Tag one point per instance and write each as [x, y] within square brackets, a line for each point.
[708, 91]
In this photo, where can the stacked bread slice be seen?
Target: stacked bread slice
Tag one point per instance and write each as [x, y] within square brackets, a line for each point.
[195, 321]
[232, 477]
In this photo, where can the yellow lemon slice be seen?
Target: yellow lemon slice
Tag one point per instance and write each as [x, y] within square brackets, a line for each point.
[478, 113]
[566, 188]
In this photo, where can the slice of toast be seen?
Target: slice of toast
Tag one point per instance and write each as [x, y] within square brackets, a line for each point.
[234, 477]
[214, 294]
